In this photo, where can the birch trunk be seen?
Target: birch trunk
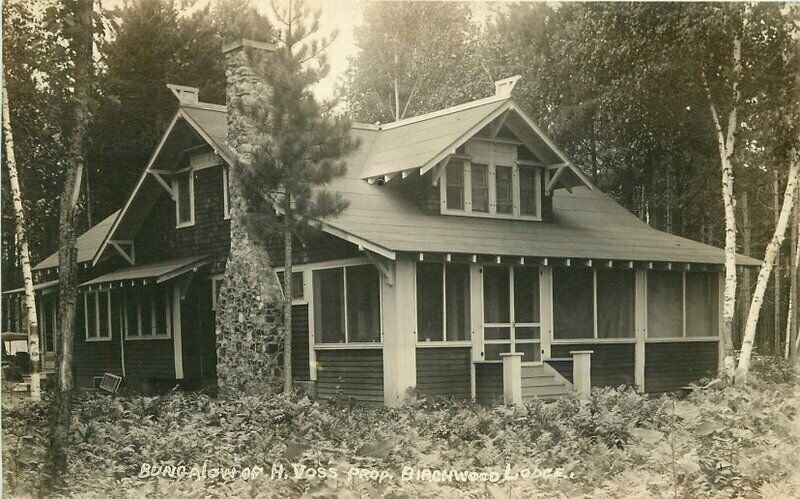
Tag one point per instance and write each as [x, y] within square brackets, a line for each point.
[67, 250]
[726, 142]
[776, 208]
[287, 295]
[22, 240]
[746, 287]
[766, 268]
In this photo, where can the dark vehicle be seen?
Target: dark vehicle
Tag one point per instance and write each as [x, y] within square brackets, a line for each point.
[16, 360]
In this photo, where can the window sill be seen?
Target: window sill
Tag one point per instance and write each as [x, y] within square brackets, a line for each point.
[683, 339]
[494, 216]
[147, 338]
[592, 340]
[348, 346]
[184, 225]
[97, 340]
[444, 344]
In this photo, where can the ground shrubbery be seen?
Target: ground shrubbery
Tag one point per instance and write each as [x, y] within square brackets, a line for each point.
[717, 441]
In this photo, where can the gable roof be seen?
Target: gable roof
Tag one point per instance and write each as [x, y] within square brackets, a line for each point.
[587, 223]
[87, 243]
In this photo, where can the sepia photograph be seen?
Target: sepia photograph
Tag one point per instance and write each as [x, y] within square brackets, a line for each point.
[387, 248]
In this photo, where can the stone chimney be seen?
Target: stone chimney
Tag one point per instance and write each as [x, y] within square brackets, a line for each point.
[249, 308]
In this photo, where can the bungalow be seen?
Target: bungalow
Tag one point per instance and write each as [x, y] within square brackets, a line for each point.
[474, 258]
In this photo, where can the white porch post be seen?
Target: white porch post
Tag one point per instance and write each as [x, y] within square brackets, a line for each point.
[582, 372]
[640, 315]
[399, 334]
[177, 340]
[512, 378]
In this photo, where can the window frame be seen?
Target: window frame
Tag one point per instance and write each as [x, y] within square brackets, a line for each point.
[595, 339]
[153, 322]
[683, 337]
[346, 344]
[491, 160]
[512, 324]
[216, 285]
[296, 300]
[189, 172]
[96, 298]
[444, 341]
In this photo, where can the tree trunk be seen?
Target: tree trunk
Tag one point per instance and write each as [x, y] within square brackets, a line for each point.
[766, 268]
[746, 274]
[22, 240]
[726, 141]
[67, 251]
[793, 320]
[776, 336]
[287, 295]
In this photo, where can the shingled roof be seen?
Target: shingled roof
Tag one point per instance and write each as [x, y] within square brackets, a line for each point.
[587, 223]
[88, 243]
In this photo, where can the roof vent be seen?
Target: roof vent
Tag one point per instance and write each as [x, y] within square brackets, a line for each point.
[185, 95]
[503, 88]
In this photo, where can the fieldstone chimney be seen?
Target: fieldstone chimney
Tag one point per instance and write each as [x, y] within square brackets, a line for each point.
[249, 308]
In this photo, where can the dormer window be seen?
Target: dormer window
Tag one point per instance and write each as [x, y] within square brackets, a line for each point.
[183, 186]
[487, 180]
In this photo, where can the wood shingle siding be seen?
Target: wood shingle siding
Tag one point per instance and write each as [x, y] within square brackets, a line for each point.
[489, 383]
[612, 363]
[444, 372]
[159, 239]
[93, 358]
[671, 366]
[300, 366]
[351, 373]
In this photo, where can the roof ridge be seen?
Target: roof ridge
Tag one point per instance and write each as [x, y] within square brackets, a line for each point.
[207, 106]
[443, 112]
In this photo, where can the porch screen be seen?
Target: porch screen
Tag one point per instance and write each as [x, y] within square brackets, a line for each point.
[573, 303]
[616, 290]
[443, 302]
[702, 304]
[664, 304]
[347, 305]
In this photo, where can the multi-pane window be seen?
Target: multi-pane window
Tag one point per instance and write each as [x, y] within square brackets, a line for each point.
[527, 191]
[511, 313]
[480, 188]
[503, 189]
[97, 315]
[593, 303]
[347, 306]
[443, 302]
[455, 185]
[147, 312]
[297, 285]
[183, 186]
[682, 304]
[489, 181]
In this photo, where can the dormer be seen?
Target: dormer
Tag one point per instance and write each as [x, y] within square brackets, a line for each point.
[485, 158]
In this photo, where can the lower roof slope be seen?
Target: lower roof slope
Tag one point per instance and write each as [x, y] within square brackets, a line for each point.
[587, 224]
[87, 243]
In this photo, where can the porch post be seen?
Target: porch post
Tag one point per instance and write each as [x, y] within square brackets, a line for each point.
[177, 340]
[640, 315]
[399, 334]
[582, 372]
[512, 378]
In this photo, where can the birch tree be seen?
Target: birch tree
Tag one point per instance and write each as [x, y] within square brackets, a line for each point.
[794, 267]
[726, 141]
[770, 256]
[24, 254]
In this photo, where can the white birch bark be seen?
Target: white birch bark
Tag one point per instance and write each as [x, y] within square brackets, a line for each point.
[766, 269]
[726, 140]
[24, 254]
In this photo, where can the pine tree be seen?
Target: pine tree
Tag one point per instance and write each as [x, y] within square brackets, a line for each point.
[299, 146]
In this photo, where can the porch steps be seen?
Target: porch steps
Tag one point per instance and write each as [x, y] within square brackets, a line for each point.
[543, 382]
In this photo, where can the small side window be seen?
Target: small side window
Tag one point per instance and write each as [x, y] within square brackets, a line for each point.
[183, 185]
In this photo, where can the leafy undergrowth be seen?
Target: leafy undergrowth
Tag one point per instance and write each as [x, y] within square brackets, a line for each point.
[717, 441]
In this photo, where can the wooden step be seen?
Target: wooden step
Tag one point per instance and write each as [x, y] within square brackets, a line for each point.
[540, 381]
[539, 391]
